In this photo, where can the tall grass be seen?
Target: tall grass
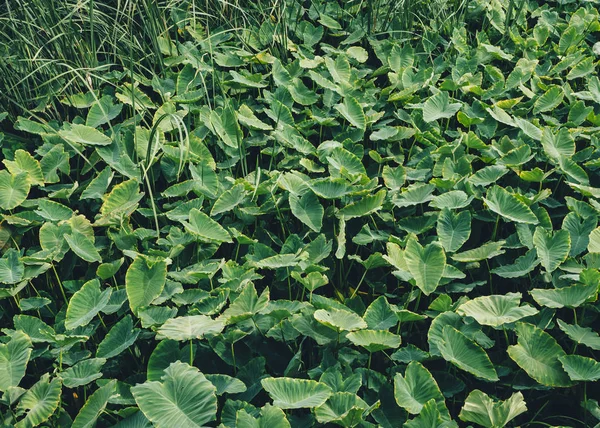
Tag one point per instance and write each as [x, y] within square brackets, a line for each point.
[52, 49]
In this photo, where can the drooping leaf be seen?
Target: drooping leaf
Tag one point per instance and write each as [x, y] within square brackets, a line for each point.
[413, 390]
[582, 335]
[352, 111]
[466, 354]
[40, 402]
[187, 328]
[83, 373]
[86, 135]
[538, 354]
[184, 398]
[581, 368]
[426, 264]
[144, 281]
[481, 409]
[291, 393]
[13, 189]
[496, 310]
[500, 201]
[14, 357]
[439, 106]
[94, 406]
[120, 337]
[374, 340]
[552, 248]
[86, 303]
[206, 228]
[453, 229]
[308, 210]
[340, 319]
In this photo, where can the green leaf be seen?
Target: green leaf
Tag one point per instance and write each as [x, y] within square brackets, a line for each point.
[438, 106]
[552, 248]
[496, 310]
[291, 393]
[103, 111]
[571, 296]
[380, 315]
[414, 194]
[246, 305]
[144, 281]
[83, 247]
[40, 402]
[558, 145]
[352, 111]
[594, 241]
[507, 205]
[308, 210]
[14, 356]
[521, 267]
[466, 354]
[579, 230]
[366, 206]
[374, 340]
[97, 187]
[426, 264]
[94, 406]
[340, 319]
[481, 409]
[13, 190]
[25, 163]
[206, 228]
[582, 335]
[270, 417]
[189, 327]
[229, 200]
[342, 408]
[453, 199]
[549, 101]
[581, 368]
[453, 229]
[122, 200]
[538, 354]
[11, 267]
[83, 373]
[484, 252]
[85, 304]
[430, 417]
[184, 398]
[120, 337]
[86, 135]
[416, 388]
[226, 384]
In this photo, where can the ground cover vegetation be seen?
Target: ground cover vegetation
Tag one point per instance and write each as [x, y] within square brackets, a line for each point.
[299, 213]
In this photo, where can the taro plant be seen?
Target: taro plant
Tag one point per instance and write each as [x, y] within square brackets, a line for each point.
[312, 223]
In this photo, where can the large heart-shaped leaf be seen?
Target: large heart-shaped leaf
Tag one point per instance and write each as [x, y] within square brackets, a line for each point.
[291, 393]
[426, 264]
[538, 354]
[183, 398]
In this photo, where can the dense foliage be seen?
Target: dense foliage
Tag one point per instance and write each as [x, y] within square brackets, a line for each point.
[309, 221]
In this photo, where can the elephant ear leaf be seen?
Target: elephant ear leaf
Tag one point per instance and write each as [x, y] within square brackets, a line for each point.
[581, 368]
[466, 354]
[552, 248]
[538, 354]
[14, 357]
[292, 393]
[183, 397]
[481, 409]
[13, 189]
[40, 401]
[426, 264]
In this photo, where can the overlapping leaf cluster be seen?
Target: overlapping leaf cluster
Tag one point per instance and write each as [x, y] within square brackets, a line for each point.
[366, 231]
